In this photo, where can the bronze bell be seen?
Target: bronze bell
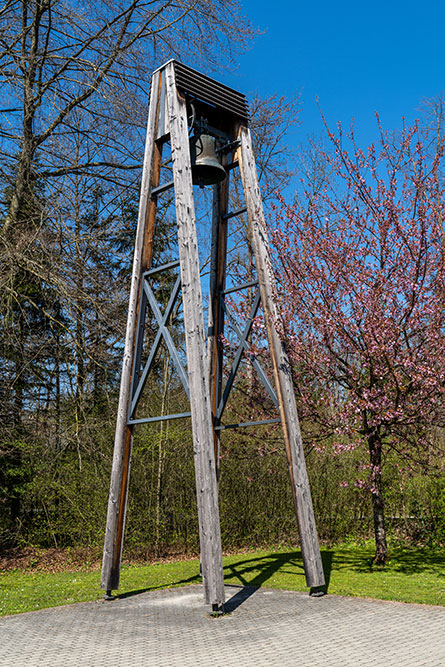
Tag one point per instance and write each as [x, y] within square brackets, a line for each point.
[206, 168]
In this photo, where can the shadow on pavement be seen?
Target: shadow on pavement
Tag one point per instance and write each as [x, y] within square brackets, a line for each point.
[266, 566]
[240, 596]
[196, 579]
[251, 573]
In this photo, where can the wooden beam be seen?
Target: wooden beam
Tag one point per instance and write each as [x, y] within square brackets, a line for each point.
[216, 313]
[282, 370]
[205, 474]
[117, 502]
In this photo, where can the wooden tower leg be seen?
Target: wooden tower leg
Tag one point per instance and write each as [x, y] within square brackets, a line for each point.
[206, 483]
[282, 372]
[216, 314]
[117, 503]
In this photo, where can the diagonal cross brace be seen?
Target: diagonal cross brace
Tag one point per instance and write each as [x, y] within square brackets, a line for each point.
[257, 366]
[237, 360]
[243, 345]
[162, 321]
[163, 333]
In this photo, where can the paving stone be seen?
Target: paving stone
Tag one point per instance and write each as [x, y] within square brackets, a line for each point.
[172, 628]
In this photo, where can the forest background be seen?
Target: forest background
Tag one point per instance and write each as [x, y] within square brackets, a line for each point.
[359, 252]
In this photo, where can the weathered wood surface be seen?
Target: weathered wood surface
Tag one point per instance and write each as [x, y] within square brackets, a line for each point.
[282, 371]
[216, 314]
[205, 473]
[117, 502]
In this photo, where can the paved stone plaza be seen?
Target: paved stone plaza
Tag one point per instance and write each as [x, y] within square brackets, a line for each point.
[172, 628]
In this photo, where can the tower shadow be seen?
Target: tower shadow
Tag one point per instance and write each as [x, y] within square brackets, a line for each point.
[267, 566]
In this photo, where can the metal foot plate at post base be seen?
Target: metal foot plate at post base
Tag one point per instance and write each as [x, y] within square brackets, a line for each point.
[217, 610]
[108, 596]
[317, 592]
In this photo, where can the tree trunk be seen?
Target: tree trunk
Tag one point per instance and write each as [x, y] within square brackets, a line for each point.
[378, 505]
[21, 197]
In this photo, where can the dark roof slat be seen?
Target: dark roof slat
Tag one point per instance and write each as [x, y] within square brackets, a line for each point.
[210, 91]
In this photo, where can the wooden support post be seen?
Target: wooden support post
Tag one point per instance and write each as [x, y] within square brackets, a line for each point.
[206, 483]
[282, 371]
[216, 314]
[117, 502]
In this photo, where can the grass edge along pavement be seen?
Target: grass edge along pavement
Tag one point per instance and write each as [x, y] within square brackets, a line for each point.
[415, 575]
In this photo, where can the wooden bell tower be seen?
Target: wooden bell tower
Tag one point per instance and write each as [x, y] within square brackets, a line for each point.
[182, 99]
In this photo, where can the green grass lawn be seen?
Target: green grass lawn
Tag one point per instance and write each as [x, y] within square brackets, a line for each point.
[413, 575]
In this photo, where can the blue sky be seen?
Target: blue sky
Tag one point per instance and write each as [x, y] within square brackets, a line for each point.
[358, 58]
